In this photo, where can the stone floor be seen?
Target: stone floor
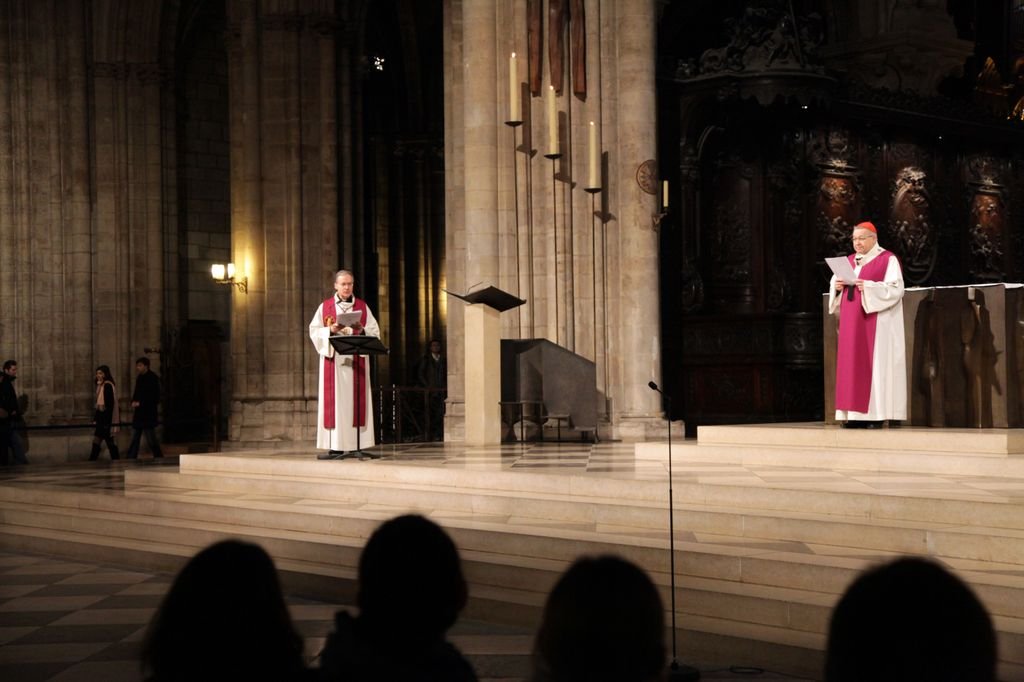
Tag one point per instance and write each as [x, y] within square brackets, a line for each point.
[79, 622]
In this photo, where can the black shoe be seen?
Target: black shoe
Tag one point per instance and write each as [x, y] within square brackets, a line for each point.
[853, 424]
[873, 425]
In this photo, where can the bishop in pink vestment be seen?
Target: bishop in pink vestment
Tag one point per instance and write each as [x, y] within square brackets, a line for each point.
[871, 365]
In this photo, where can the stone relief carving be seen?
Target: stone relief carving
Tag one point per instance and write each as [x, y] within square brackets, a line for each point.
[691, 297]
[730, 243]
[988, 219]
[986, 235]
[838, 190]
[910, 224]
[777, 294]
[836, 211]
[765, 38]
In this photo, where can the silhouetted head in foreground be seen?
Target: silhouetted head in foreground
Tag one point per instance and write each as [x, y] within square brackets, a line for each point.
[603, 621]
[411, 587]
[910, 619]
[224, 618]
[411, 590]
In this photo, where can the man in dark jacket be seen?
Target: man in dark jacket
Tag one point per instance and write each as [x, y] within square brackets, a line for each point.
[432, 374]
[10, 416]
[144, 401]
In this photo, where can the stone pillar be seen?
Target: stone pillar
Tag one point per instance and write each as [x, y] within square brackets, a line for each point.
[635, 348]
[129, 227]
[592, 284]
[45, 280]
[483, 375]
[83, 225]
[481, 128]
[284, 212]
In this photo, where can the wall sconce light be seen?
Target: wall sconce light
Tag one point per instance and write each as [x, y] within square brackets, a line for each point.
[224, 273]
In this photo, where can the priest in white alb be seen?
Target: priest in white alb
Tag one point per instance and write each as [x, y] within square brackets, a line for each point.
[871, 364]
[345, 406]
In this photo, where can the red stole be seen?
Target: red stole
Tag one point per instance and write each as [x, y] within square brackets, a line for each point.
[329, 314]
[856, 355]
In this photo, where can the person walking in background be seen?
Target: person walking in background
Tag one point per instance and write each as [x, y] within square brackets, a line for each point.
[107, 414]
[11, 416]
[144, 403]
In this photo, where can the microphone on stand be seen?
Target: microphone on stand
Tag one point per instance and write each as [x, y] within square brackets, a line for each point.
[677, 672]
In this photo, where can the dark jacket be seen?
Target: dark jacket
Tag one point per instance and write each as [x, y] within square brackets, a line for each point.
[350, 656]
[8, 401]
[147, 394]
[105, 418]
[432, 373]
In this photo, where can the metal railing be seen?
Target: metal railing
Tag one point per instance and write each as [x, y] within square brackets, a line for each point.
[409, 414]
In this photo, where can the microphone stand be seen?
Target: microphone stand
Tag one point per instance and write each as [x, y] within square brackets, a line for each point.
[677, 672]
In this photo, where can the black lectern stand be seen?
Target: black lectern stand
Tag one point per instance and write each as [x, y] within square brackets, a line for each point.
[355, 345]
[483, 362]
[492, 297]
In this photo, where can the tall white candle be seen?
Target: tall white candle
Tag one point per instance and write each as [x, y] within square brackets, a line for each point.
[552, 123]
[514, 110]
[593, 178]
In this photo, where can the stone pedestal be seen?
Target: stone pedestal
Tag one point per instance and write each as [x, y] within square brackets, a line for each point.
[483, 375]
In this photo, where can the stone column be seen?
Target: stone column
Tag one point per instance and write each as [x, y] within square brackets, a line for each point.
[480, 110]
[635, 347]
[81, 186]
[45, 262]
[128, 219]
[471, 121]
[593, 285]
[283, 119]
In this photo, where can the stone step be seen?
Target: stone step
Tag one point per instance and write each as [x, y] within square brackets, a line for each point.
[577, 509]
[728, 508]
[396, 471]
[970, 452]
[903, 439]
[516, 550]
[865, 460]
[957, 542]
[484, 567]
[741, 572]
[526, 557]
